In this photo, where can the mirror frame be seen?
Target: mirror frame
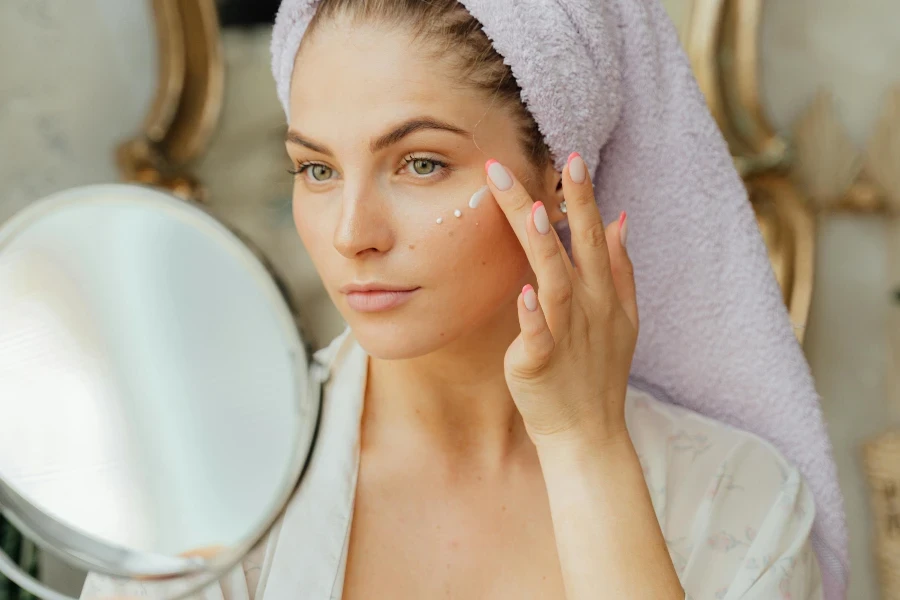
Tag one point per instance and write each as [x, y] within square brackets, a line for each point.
[188, 101]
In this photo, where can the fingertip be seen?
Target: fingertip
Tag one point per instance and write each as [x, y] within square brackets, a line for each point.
[577, 168]
[529, 298]
[623, 230]
[498, 175]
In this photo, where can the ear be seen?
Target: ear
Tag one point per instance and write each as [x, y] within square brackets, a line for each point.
[553, 192]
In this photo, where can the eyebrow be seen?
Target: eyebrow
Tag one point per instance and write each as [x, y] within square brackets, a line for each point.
[392, 137]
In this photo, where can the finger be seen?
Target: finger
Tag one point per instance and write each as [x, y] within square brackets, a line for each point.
[622, 268]
[532, 350]
[514, 200]
[548, 261]
[589, 248]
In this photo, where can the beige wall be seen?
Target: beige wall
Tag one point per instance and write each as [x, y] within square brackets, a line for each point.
[852, 48]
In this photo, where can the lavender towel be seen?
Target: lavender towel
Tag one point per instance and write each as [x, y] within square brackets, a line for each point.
[610, 80]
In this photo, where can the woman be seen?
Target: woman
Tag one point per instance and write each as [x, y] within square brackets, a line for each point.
[479, 437]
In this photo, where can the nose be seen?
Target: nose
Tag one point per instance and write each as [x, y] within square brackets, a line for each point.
[365, 223]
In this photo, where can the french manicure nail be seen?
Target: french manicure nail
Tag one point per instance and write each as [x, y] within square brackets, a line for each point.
[577, 169]
[623, 229]
[499, 175]
[529, 297]
[540, 218]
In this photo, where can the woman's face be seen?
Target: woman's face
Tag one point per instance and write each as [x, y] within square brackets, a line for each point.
[386, 145]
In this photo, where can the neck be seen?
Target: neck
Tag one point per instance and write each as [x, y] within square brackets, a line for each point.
[454, 400]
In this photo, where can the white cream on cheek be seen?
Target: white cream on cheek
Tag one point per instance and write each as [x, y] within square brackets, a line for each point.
[476, 199]
[478, 196]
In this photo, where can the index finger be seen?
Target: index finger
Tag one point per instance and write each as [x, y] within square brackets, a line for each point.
[514, 200]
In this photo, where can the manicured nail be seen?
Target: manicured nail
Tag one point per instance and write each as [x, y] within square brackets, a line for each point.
[577, 170]
[499, 175]
[623, 229]
[530, 298]
[540, 218]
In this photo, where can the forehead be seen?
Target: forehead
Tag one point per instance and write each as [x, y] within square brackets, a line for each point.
[350, 72]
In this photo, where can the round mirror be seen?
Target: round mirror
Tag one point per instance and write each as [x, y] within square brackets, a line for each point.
[156, 403]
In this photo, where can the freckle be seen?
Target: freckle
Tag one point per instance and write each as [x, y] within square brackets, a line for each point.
[479, 478]
[503, 508]
[412, 246]
[483, 263]
[544, 578]
[442, 334]
[451, 234]
[454, 544]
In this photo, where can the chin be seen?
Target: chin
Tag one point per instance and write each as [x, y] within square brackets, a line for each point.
[395, 337]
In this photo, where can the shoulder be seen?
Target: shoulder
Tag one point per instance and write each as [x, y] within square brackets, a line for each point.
[693, 463]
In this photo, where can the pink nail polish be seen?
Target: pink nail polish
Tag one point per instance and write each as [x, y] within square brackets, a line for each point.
[498, 174]
[529, 297]
[623, 229]
[540, 218]
[577, 168]
[488, 164]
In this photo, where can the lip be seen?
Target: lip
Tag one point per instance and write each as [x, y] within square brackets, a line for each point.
[376, 297]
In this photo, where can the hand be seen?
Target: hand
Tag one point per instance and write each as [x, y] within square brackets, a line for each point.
[568, 368]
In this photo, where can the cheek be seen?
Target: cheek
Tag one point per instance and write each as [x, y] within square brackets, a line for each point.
[478, 260]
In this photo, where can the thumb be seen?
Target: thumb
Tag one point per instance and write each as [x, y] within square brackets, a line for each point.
[622, 269]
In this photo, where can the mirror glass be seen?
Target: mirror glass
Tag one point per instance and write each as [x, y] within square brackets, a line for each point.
[153, 383]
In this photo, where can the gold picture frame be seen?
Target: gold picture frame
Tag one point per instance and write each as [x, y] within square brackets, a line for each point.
[188, 101]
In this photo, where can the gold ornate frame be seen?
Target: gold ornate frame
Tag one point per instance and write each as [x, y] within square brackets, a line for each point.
[188, 101]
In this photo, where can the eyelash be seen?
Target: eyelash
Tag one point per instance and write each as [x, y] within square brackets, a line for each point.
[407, 160]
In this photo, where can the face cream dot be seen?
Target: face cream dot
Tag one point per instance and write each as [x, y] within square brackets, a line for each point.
[457, 213]
[439, 220]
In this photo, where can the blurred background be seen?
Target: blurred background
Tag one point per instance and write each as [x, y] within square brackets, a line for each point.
[177, 93]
